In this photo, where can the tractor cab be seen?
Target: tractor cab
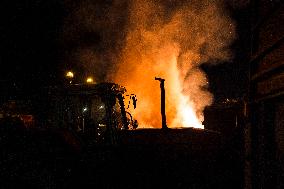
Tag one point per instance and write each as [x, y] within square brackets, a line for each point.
[95, 112]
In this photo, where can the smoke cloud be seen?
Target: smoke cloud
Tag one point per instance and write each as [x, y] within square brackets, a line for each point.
[138, 40]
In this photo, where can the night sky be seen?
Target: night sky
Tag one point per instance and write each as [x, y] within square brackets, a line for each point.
[29, 54]
[31, 50]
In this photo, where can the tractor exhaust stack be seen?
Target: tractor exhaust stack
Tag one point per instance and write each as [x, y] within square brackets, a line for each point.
[163, 102]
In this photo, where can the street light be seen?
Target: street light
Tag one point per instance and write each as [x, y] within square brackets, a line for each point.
[89, 80]
[70, 76]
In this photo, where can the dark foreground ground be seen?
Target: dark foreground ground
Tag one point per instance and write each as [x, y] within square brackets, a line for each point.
[145, 159]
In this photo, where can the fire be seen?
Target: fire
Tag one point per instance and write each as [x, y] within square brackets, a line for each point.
[172, 46]
[187, 115]
[185, 111]
[141, 40]
[180, 109]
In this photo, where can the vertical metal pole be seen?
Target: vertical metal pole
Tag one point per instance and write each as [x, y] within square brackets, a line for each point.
[163, 102]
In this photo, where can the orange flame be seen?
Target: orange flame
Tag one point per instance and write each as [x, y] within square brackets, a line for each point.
[180, 109]
[172, 46]
[185, 111]
[145, 39]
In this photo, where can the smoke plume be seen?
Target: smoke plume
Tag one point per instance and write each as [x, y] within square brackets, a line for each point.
[139, 40]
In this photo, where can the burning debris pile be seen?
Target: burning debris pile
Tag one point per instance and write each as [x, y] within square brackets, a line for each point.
[139, 40]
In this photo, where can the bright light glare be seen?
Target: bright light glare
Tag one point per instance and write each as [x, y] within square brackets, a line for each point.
[70, 74]
[85, 109]
[89, 80]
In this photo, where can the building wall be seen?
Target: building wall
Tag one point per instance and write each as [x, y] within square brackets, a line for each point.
[264, 132]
